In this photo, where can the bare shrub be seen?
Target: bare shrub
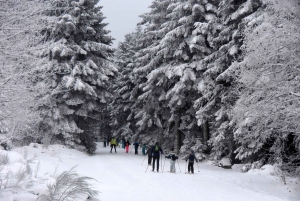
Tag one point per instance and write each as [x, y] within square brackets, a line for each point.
[4, 160]
[69, 186]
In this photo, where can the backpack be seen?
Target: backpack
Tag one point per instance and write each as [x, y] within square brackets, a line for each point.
[173, 157]
[156, 149]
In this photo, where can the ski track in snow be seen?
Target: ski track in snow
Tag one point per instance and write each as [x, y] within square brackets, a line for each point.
[122, 177]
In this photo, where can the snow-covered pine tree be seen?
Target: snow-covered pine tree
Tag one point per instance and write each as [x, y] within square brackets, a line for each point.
[190, 142]
[217, 87]
[171, 80]
[185, 43]
[149, 113]
[78, 73]
[267, 112]
[122, 123]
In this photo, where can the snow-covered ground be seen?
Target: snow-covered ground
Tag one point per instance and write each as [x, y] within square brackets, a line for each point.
[122, 176]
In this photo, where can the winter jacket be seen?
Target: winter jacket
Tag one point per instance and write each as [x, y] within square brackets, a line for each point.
[144, 149]
[156, 153]
[113, 141]
[172, 156]
[136, 145]
[149, 151]
[191, 158]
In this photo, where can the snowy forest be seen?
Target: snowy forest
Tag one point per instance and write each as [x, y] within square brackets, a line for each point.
[219, 76]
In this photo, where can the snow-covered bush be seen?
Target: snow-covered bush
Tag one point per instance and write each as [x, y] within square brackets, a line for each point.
[15, 171]
[267, 112]
[23, 25]
[246, 167]
[3, 158]
[225, 163]
[194, 144]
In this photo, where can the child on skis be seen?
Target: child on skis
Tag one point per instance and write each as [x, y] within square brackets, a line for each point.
[191, 158]
[173, 158]
[127, 144]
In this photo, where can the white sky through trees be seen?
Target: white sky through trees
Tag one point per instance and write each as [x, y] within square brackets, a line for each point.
[123, 15]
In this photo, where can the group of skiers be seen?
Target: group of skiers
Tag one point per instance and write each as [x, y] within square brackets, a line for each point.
[116, 143]
[153, 153]
[154, 156]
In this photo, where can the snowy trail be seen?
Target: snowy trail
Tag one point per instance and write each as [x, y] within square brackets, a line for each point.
[121, 176]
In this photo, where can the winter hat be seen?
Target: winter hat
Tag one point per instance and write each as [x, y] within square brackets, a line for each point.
[192, 151]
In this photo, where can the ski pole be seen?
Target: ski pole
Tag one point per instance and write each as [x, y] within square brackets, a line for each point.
[178, 166]
[198, 167]
[147, 168]
[164, 165]
[143, 160]
[185, 167]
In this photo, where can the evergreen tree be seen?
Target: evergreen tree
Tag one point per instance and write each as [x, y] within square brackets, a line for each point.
[121, 108]
[149, 114]
[218, 89]
[171, 80]
[78, 74]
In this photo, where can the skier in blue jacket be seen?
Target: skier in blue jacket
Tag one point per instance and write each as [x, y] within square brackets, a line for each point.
[136, 146]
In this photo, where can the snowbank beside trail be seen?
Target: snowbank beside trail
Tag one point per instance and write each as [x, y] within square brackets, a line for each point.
[122, 176]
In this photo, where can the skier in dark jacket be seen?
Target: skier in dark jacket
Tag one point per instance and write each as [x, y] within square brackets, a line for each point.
[144, 149]
[156, 150]
[149, 152]
[136, 146]
[104, 142]
[107, 141]
[191, 159]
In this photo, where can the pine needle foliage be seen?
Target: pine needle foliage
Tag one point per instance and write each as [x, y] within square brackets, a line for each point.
[77, 73]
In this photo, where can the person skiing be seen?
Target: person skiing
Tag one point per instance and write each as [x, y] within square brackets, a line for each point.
[118, 142]
[173, 158]
[107, 141]
[113, 144]
[144, 149]
[136, 147]
[191, 157]
[127, 144]
[149, 152]
[123, 143]
[156, 150]
[104, 142]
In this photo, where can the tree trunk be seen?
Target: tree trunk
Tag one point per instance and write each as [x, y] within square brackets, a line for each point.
[231, 146]
[177, 135]
[205, 131]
